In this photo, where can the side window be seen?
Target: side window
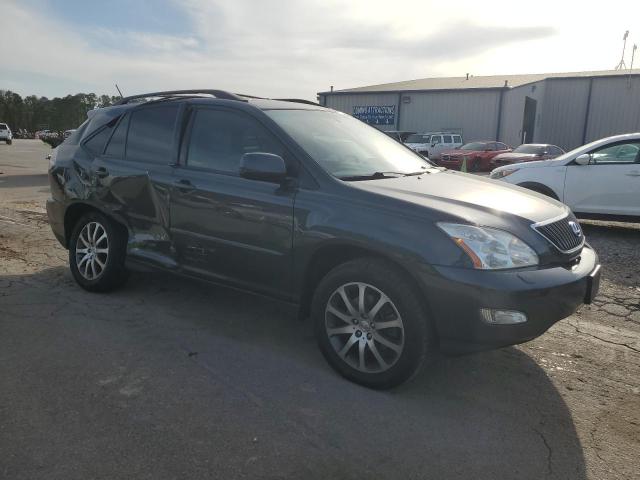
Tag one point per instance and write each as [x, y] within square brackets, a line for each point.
[556, 150]
[621, 153]
[457, 139]
[151, 132]
[97, 141]
[220, 138]
[115, 147]
[436, 139]
[446, 139]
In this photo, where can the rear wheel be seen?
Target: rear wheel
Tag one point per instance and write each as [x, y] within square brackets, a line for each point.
[96, 253]
[370, 324]
[9, 142]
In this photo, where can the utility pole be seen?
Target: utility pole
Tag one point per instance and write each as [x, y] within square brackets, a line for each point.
[633, 54]
[622, 65]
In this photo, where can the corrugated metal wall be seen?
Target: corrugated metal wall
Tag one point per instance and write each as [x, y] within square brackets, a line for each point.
[615, 107]
[565, 105]
[474, 114]
[513, 111]
[560, 112]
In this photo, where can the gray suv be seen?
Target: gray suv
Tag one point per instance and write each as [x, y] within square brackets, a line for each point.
[394, 258]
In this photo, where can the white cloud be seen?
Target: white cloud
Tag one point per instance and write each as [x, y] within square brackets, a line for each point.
[296, 48]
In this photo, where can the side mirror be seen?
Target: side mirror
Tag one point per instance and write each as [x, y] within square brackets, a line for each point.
[266, 167]
[583, 159]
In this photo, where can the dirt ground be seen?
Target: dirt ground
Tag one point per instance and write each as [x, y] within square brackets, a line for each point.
[171, 378]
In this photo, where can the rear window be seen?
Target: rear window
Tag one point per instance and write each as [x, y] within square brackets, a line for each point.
[97, 141]
[151, 132]
[457, 139]
[3, 126]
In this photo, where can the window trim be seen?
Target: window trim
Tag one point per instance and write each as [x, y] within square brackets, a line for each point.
[126, 136]
[191, 114]
[614, 144]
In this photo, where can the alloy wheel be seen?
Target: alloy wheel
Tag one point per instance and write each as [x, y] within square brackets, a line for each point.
[92, 250]
[364, 327]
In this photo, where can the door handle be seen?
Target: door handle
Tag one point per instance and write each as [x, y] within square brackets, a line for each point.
[184, 185]
[102, 172]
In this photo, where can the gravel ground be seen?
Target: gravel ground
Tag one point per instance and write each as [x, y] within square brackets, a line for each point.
[170, 378]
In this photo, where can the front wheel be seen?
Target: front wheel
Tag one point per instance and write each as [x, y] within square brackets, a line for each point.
[9, 142]
[97, 251]
[370, 323]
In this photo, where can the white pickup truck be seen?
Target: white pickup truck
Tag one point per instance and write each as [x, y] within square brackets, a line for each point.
[432, 144]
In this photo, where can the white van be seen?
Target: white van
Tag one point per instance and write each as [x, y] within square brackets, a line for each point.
[431, 144]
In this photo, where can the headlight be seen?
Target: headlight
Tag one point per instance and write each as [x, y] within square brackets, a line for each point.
[503, 173]
[489, 248]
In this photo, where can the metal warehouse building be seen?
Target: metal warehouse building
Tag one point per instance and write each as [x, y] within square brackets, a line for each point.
[565, 109]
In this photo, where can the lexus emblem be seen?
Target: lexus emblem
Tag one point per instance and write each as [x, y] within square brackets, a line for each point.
[576, 229]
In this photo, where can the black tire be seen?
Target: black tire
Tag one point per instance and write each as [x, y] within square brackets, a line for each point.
[114, 273]
[417, 337]
[9, 142]
[475, 165]
[541, 189]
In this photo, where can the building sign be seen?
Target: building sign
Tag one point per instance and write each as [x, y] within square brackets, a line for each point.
[376, 115]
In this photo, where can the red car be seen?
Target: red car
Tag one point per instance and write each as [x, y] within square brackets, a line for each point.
[527, 152]
[479, 155]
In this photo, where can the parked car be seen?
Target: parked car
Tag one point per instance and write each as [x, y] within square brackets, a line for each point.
[598, 180]
[5, 133]
[478, 154]
[432, 144]
[393, 257]
[527, 152]
[398, 135]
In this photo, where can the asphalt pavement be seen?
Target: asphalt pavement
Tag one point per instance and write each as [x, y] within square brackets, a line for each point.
[170, 378]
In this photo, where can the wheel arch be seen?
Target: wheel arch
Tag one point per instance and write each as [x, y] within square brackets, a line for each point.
[540, 188]
[76, 210]
[327, 257]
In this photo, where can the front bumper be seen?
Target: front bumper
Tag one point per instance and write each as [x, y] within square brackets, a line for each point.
[55, 212]
[546, 296]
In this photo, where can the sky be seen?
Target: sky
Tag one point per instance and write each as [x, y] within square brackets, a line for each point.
[296, 48]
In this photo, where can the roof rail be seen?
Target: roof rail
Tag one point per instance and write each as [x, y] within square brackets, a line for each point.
[298, 100]
[222, 94]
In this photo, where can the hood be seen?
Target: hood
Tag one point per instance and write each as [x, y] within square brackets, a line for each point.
[460, 193]
[458, 151]
[514, 156]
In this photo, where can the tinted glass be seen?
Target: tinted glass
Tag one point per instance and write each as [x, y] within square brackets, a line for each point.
[97, 142]
[151, 132]
[446, 139]
[531, 149]
[457, 139]
[436, 139]
[3, 126]
[474, 146]
[115, 148]
[344, 146]
[219, 139]
[621, 153]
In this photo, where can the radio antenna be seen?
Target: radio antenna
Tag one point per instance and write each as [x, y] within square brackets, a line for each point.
[622, 65]
[118, 88]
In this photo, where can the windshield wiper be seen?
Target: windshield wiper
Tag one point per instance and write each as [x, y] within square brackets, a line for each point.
[378, 175]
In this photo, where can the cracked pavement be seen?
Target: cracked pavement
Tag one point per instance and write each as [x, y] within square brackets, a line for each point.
[171, 378]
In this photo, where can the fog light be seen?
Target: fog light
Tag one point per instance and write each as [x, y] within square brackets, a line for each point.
[502, 317]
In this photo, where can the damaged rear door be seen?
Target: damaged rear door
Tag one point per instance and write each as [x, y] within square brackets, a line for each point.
[134, 176]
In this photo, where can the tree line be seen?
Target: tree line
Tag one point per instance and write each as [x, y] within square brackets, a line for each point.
[34, 113]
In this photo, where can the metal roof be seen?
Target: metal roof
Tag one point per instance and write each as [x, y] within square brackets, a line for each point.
[473, 82]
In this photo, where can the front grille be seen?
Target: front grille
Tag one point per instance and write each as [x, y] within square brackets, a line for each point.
[564, 234]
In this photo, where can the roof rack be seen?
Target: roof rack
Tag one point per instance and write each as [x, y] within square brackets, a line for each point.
[222, 94]
[298, 100]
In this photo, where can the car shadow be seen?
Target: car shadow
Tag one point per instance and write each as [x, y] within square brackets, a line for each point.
[491, 415]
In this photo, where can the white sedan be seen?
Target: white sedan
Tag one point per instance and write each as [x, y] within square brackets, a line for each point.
[600, 179]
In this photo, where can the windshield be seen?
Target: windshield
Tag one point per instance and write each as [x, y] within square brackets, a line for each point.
[346, 147]
[535, 149]
[417, 138]
[474, 146]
